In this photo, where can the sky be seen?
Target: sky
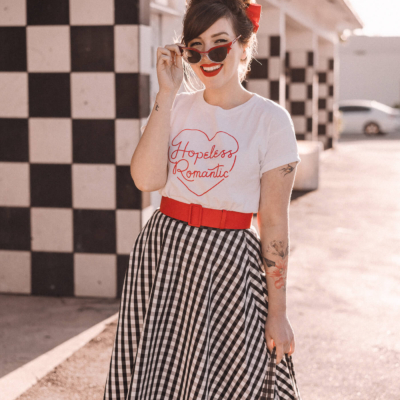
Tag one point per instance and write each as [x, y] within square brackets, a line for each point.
[380, 17]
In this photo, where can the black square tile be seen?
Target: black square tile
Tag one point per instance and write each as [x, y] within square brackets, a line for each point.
[132, 12]
[287, 92]
[298, 75]
[321, 104]
[51, 185]
[14, 139]
[15, 228]
[274, 90]
[298, 108]
[52, 274]
[259, 70]
[321, 129]
[47, 12]
[94, 231]
[49, 95]
[93, 141]
[13, 49]
[122, 267]
[287, 59]
[132, 95]
[310, 58]
[331, 64]
[322, 77]
[92, 48]
[331, 90]
[275, 46]
[128, 195]
[300, 136]
[330, 116]
[309, 92]
[309, 124]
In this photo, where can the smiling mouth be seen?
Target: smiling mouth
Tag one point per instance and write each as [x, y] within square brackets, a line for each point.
[211, 69]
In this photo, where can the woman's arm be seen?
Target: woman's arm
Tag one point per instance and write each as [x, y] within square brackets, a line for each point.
[273, 222]
[150, 159]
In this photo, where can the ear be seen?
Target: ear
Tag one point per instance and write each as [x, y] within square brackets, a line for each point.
[244, 54]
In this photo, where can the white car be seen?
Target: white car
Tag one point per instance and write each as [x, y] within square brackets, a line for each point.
[369, 117]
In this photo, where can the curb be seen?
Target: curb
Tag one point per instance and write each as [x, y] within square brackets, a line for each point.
[20, 380]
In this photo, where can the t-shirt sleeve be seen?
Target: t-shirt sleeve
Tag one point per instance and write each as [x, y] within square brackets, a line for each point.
[280, 146]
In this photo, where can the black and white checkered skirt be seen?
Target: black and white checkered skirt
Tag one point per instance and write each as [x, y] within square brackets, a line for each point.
[192, 319]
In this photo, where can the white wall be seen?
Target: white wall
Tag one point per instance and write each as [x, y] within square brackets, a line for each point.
[370, 69]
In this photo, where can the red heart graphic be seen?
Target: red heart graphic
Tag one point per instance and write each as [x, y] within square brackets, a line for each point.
[201, 163]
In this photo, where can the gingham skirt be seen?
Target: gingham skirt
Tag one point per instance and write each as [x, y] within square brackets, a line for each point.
[192, 318]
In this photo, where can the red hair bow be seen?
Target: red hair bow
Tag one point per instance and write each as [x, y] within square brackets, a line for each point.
[253, 12]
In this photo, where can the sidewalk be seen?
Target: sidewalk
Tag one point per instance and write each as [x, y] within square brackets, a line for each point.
[343, 286]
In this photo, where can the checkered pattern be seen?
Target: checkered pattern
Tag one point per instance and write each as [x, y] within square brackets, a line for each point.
[192, 323]
[264, 77]
[326, 99]
[300, 73]
[75, 86]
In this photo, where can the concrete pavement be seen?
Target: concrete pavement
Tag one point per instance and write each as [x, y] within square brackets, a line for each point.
[343, 284]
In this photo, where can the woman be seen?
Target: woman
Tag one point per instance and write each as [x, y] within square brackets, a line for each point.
[201, 282]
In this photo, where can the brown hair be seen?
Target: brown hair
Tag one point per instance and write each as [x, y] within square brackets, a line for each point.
[201, 14]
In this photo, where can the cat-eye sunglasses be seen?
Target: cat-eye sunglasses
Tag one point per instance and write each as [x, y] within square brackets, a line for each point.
[215, 54]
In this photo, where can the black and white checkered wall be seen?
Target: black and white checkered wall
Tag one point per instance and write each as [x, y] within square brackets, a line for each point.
[326, 100]
[300, 84]
[264, 77]
[74, 79]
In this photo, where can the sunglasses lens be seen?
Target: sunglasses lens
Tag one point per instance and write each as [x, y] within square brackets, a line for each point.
[218, 55]
[192, 57]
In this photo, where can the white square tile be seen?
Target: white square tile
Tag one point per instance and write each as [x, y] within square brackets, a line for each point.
[299, 123]
[14, 95]
[12, 12]
[322, 116]
[309, 108]
[323, 90]
[259, 86]
[298, 59]
[298, 91]
[93, 186]
[126, 44]
[93, 94]
[50, 140]
[52, 229]
[330, 77]
[274, 68]
[14, 180]
[310, 74]
[48, 49]
[127, 135]
[15, 271]
[329, 103]
[145, 48]
[95, 275]
[263, 46]
[91, 12]
[128, 228]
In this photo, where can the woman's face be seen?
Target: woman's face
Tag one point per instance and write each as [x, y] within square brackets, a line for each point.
[220, 32]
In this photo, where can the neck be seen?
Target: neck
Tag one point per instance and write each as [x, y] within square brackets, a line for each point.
[230, 95]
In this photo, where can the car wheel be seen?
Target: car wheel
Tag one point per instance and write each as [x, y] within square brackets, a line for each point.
[372, 129]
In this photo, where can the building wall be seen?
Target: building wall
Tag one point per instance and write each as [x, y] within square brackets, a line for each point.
[78, 78]
[370, 69]
[74, 77]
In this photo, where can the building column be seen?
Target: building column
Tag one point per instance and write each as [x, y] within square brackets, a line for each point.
[327, 128]
[301, 81]
[266, 77]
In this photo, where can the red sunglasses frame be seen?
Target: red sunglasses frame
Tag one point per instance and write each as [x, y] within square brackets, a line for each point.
[228, 45]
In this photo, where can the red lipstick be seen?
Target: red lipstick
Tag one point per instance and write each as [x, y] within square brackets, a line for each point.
[211, 73]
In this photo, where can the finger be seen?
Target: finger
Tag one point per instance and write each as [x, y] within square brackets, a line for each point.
[163, 50]
[270, 344]
[292, 346]
[279, 353]
[163, 59]
[174, 48]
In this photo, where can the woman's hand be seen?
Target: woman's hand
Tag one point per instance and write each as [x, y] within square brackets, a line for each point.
[169, 68]
[279, 334]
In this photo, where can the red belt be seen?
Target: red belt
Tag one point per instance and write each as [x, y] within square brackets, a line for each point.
[197, 215]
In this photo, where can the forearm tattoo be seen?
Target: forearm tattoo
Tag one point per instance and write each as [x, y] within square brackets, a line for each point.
[156, 106]
[287, 170]
[277, 269]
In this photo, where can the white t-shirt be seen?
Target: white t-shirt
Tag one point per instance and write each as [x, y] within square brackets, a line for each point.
[216, 157]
